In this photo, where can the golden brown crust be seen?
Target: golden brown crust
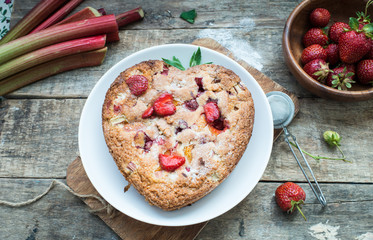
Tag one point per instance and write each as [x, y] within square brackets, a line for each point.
[210, 155]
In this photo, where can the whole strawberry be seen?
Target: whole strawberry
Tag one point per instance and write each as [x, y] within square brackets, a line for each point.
[290, 195]
[320, 17]
[315, 36]
[340, 78]
[318, 69]
[312, 52]
[333, 54]
[336, 30]
[353, 46]
[364, 71]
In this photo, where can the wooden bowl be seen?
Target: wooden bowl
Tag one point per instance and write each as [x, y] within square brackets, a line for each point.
[298, 24]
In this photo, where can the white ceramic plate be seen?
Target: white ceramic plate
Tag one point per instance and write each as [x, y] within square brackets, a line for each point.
[109, 182]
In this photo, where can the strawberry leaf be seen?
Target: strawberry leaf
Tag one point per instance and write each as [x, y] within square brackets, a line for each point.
[350, 74]
[354, 23]
[368, 28]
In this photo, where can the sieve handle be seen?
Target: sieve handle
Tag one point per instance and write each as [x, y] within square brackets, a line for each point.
[318, 193]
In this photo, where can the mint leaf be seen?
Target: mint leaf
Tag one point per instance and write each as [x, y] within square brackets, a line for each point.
[174, 62]
[189, 16]
[196, 58]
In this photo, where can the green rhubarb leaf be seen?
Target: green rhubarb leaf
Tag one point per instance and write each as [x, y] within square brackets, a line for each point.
[354, 23]
[196, 58]
[174, 62]
[189, 16]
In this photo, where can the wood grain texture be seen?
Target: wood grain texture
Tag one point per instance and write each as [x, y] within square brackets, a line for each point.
[60, 215]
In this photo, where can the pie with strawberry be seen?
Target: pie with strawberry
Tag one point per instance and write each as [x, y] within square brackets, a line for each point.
[176, 135]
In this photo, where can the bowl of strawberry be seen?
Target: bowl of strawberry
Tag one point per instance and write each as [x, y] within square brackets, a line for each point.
[328, 47]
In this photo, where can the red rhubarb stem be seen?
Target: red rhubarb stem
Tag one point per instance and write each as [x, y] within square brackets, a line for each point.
[59, 15]
[51, 52]
[33, 18]
[129, 16]
[55, 34]
[87, 59]
[85, 13]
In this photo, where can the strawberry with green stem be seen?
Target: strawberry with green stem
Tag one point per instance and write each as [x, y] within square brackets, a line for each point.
[340, 78]
[318, 69]
[355, 44]
[290, 196]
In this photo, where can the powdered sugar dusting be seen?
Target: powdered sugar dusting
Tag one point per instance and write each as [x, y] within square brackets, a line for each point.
[366, 236]
[236, 44]
[324, 231]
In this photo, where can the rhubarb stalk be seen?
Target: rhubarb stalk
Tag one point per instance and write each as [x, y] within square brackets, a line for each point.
[85, 13]
[87, 59]
[128, 17]
[59, 15]
[51, 52]
[124, 19]
[36, 15]
[55, 34]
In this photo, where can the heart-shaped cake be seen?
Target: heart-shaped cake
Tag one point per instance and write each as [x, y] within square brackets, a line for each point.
[176, 135]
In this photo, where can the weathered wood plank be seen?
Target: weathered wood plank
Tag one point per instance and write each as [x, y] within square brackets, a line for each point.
[38, 140]
[258, 217]
[210, 14]
[60, 215]
[251, 29]
[38, 137]
[260, 48]
[353, 121]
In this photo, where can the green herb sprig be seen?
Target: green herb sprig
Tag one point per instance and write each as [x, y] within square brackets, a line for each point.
[174, 62]
[194, 60]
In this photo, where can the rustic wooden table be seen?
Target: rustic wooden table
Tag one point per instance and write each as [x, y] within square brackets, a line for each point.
[39, 133]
